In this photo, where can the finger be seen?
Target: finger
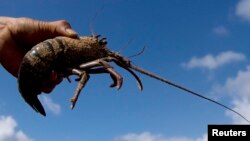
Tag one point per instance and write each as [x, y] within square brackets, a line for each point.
[25, 29]
[5, 20]
[62, 28]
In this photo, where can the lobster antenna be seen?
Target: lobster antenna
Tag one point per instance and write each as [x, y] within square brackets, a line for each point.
[128, 43]
[91, 24]
[185, 89]
[139, 53]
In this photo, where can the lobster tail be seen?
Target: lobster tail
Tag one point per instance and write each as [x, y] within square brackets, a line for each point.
[36, 105]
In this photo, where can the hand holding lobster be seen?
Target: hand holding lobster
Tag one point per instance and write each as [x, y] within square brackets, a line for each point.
[19, 35]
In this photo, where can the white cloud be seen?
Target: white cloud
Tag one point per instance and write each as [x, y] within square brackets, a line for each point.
[52, 106]
[238, 88]
[147, 136]
[8, 131]
[242, 106]
[243, 9]
[203, 138]
[221, 31]
[212, 62]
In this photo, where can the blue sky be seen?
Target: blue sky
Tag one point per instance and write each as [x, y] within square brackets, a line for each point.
[202, 45]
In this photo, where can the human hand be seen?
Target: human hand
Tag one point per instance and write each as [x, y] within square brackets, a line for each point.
[19, 35]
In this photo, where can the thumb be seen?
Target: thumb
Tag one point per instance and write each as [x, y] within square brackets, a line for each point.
[62, 28]
[25, 29]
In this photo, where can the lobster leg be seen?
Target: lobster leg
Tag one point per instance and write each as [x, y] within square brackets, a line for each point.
[117, 78]
[85, 70]
[84, 77]
[103, 70]
[109, 59]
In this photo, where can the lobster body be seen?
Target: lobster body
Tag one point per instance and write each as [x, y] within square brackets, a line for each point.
[54, 56]
[47, 63]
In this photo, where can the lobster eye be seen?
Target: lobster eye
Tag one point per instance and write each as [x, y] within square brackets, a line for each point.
[103, 42]
[96, 36]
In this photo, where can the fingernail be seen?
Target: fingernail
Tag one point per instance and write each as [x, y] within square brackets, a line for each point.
[71, 32]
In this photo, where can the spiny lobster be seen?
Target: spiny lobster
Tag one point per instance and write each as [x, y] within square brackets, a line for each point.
[47, 63]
